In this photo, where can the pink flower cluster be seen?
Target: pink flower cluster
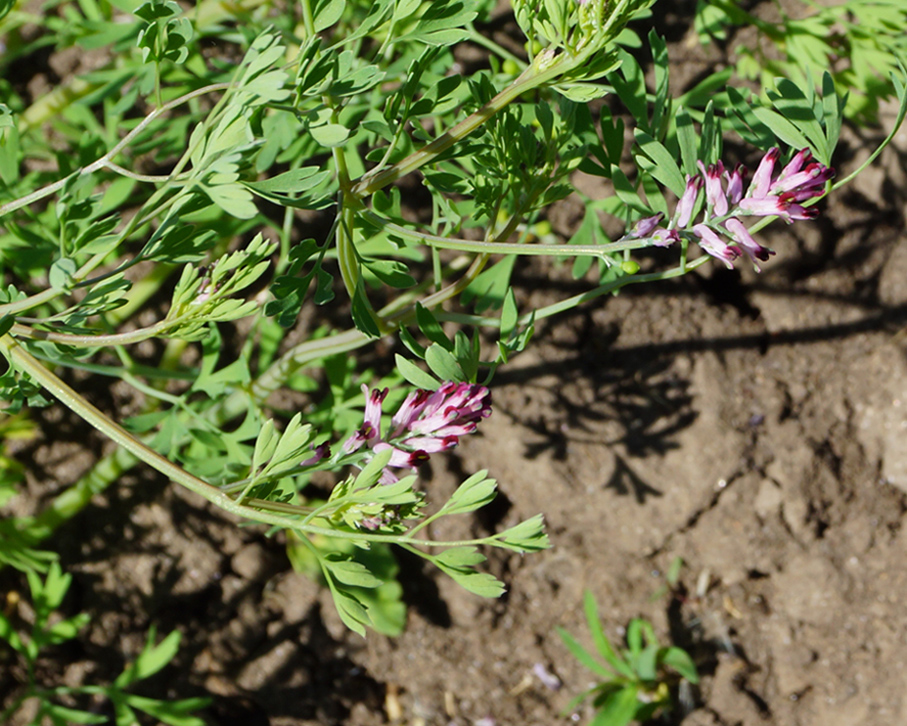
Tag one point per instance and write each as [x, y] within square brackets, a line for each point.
[721, 233]
[426, 422]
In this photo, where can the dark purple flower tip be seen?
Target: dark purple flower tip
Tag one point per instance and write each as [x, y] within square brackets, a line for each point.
[416, 458]
[321, 452]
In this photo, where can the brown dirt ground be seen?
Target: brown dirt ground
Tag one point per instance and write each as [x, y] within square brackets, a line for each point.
[752, 425]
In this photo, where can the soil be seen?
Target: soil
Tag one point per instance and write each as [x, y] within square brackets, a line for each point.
[752, 425]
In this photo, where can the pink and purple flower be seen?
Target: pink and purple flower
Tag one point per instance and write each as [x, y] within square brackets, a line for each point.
[426, 423]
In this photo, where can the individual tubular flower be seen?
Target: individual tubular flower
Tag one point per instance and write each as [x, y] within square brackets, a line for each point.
[427, 422]
[715, 196]
[371, 427]
[712, 243]
[684, 212]
[734, 181]
[745, 241]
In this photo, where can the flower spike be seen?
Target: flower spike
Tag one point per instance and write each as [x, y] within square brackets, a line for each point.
[720, 233]
[427, 422]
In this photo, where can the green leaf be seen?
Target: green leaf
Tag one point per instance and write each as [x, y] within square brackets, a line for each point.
[442, 24]
[634, 637]
[490, 288]
[704, 91]
[467, 354]
[233, 198]
[371, 472]
[330, 135]
[461, 557]
[664, 167]
[9, 144]
[415, 375]
[478, 583]
[60, 273]
[265, 445]
[782, 128]
[793, 104]
[363, 315]
[391, 272]
[584, 656]
[349, 572]
[612, 129]
[581, 92]
[431, 328]
[292, 447]
[443, 364]
[291, 182]
[289, 290]
[47, 595]
[680, 661]
[125, 716]
[472, 494]
[509, 315]
[662, 105]
[215, 383]
[103, 297]
[600, 640]
[527, 536]
[629, 83]
[71, 715]
[710, 140]
[67, 629]
[353, 614]
[619, 707]
[151, 660]
[625, 191]
[172, 713]
[833, 112]
[8, 634]
[647, 663]
[327, 12]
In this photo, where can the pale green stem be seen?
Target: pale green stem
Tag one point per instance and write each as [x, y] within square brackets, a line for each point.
[511, 248]
[902, 111]
[150, 178]
[24, 361]
[95, 341]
